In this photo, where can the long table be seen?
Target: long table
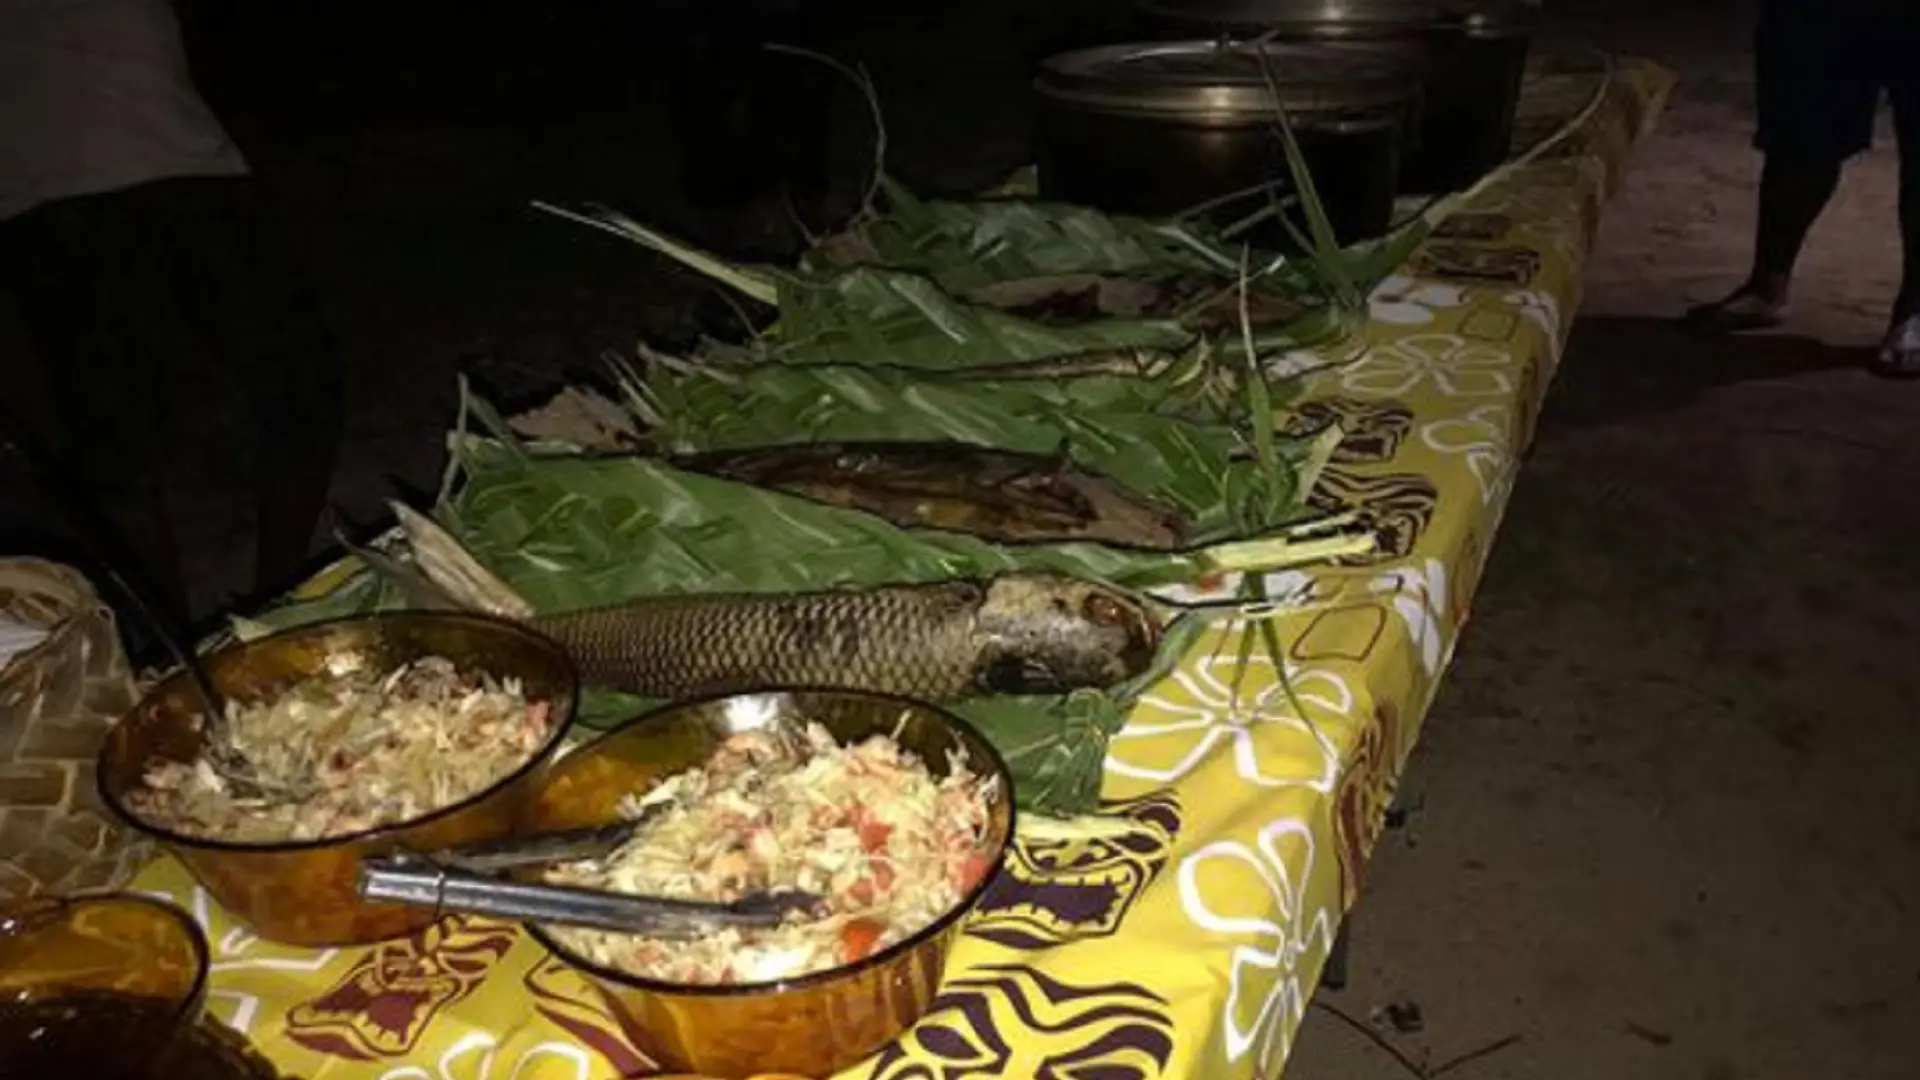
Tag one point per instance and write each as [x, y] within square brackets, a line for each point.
[1190, 945]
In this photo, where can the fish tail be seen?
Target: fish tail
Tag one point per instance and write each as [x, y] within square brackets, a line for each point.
[419, 592]
[451, 570]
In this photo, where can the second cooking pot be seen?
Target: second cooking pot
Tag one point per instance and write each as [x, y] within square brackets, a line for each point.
[1324, 19]
[1160, 128]
[1469, 54]
[1481, 77]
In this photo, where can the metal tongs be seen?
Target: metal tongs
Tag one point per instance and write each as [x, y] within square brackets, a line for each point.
[463, 879]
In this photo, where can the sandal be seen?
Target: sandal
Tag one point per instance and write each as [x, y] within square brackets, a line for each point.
[1744, 311]
[1899, 355]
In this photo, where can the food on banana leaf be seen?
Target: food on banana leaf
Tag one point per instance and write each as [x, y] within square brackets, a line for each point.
[1019, 633]
[351, 749]
[1206, 304]
[994, 494]
[868, 828]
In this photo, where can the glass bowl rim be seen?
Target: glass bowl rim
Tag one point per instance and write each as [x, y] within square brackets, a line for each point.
[953, 915]
[570, 684]
[48, 907]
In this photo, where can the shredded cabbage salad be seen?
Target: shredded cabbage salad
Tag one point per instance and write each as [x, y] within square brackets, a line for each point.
[868, 827]
[347, 750]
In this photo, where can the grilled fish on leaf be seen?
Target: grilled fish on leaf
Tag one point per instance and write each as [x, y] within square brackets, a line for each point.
[1203, 303]
[1013, 634]
[998, 495]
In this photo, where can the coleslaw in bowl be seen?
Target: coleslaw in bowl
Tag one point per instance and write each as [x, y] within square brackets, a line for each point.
[894, 811]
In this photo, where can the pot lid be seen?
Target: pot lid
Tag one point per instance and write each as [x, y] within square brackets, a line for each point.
[1493, 16]
[1371, 14]
[1201, 80]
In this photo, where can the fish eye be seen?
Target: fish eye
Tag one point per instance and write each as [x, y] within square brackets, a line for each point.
[1104, 609]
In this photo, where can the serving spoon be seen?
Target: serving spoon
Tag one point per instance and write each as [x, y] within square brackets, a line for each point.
[418, 883]
[462, 879]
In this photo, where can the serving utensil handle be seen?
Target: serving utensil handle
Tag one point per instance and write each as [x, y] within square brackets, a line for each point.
[488, 856]
[423, 884]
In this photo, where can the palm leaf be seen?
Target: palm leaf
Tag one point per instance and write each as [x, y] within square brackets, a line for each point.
[966, 245]
[1143, 433]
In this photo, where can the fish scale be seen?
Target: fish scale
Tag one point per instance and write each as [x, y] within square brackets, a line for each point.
[1017, 633]
[916, 641]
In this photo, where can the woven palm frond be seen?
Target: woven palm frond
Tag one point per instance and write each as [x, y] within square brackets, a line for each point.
[57, 701]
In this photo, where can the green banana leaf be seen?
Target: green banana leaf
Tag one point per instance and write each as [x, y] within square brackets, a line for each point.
[871, 316]
[964, 246]
[967, 245]
[569, 531]
[1125, 428]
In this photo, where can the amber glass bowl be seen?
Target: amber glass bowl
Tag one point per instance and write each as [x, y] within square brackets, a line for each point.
[103, 986]
[115, 943]
[814, 1025]
[307, 892]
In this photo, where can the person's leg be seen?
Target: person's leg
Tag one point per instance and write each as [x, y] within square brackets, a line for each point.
[1908, 301]
[1817, 94]
[84, 273]
[1792, 194]
[242, 285]
[1899, 354]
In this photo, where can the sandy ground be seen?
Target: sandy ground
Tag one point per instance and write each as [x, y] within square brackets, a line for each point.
[1668, 824]
[1665, 819]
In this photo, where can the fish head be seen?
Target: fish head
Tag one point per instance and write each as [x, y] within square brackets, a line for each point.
[1048, 634]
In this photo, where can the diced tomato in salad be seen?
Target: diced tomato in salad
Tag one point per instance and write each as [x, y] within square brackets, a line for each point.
[873, 832]
[887, 843]
[971, 871]
[868, 890]
[858, 938]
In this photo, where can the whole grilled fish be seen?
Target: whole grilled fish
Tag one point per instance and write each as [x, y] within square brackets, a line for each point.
[1014, 634]
[1203, 303]
[998, 495]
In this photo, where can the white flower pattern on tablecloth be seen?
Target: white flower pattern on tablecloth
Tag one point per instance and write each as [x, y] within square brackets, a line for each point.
[1296, 362]
[241, 1011]
[1307, 363]
[1483, 438]
[239, 950]
[1405, 301]
[1195, 715]
[1538, 307]
[526, 1065]
[1419, 597]
[1453, 365]
[1255, 896]
[1284, 588]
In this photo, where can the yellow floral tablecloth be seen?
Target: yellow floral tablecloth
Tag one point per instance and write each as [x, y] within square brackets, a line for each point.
[1191, 946]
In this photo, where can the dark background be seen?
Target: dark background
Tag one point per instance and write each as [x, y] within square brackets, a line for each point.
[402, 143]
[1665, 821]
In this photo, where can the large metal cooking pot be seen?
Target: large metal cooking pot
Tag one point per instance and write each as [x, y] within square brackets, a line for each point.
[1163, 127]
[1322, 19]
[1470, 55]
